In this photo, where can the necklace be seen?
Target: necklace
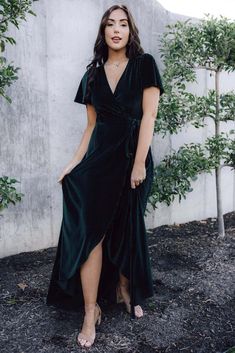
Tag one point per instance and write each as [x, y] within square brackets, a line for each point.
[117, 64]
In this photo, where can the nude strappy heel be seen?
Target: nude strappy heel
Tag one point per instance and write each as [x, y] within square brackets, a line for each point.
[120, 299]
[90, 339]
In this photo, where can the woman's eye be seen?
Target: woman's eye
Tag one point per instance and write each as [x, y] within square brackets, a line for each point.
[110, 24]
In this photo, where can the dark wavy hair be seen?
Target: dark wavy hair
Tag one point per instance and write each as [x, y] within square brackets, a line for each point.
[133, 47]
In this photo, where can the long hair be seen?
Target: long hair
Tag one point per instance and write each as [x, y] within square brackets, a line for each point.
[133, 47]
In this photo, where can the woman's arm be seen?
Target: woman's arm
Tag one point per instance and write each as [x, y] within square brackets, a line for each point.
[83, 146]
[150, 108]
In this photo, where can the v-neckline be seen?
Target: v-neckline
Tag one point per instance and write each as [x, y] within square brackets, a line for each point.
[106, 79]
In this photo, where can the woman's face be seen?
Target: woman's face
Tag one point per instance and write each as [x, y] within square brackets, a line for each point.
[117, 26]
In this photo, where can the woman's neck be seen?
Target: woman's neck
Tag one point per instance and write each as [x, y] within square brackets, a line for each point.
[114, 56]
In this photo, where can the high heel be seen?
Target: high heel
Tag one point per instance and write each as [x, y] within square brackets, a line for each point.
[90, 339]
[120, 299]
[98, 320]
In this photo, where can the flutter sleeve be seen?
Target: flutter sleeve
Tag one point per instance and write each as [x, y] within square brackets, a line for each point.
[150, 73]
[82, 90]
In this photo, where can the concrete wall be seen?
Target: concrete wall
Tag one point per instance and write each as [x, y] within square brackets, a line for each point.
[42, 128]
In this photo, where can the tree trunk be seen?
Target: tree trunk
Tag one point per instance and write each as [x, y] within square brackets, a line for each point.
[219, 203]
[218, 169]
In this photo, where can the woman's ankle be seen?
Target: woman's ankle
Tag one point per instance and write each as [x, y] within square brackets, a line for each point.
[90, 307]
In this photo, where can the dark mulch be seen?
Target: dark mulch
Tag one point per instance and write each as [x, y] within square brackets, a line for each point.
[193, 309]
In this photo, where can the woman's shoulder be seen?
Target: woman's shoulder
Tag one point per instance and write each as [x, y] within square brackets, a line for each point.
[150, 74]
[85, 75]
[144, 56]
[144, 59]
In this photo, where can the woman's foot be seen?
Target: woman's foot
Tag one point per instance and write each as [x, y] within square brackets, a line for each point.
[87, 335]
[123, 296]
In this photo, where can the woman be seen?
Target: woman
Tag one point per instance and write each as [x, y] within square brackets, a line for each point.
[102, 251]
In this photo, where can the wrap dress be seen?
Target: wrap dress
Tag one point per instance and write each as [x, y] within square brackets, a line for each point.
[97, 196]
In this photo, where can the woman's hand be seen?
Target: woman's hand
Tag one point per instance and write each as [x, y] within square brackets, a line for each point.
[138, 174]
[67, 170]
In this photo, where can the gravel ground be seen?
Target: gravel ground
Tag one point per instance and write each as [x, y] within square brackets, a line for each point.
[192, 311]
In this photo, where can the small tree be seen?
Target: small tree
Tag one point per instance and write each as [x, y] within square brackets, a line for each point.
[208, 44]
[8, 193]
[11, 12]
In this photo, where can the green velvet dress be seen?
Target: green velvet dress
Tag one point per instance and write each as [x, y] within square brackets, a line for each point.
[97, 196]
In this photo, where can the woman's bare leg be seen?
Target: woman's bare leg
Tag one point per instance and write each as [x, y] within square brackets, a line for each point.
[123, 280]
[90, 276]
[124, 287]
